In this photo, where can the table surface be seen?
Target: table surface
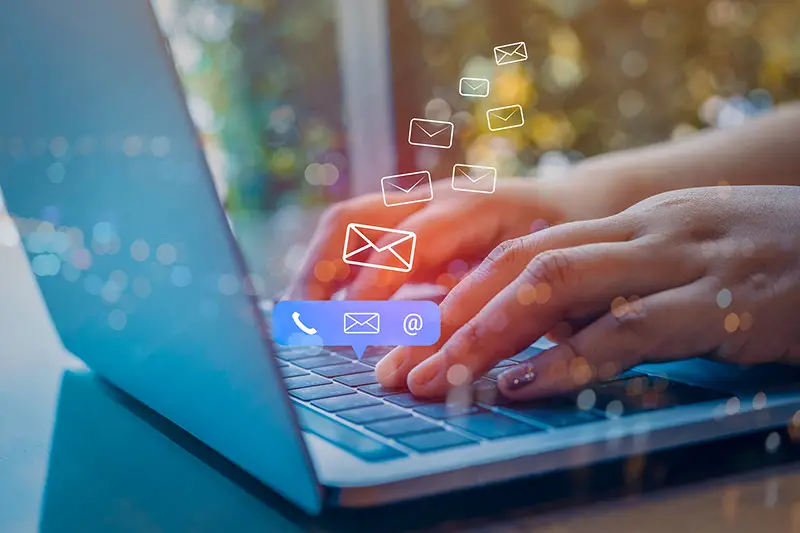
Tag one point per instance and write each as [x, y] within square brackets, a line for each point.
[76, 456]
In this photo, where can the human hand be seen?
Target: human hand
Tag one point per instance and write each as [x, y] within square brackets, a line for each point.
[679, 274]
[453, 226]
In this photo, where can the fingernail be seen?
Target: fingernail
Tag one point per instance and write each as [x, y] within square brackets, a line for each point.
[519, 377]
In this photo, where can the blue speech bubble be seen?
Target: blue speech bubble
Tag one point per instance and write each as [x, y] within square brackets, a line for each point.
[356, 323]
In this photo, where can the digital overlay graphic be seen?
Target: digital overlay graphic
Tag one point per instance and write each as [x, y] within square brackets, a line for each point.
[359, 324]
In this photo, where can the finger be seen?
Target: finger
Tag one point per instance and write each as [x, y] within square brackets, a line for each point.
[567, 328]
[323, 271]
[577, 282]
[443, 235]
[668, 324]
[562, 331]
[499, 269]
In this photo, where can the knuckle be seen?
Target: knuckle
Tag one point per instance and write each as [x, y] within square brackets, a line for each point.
[631, 224]
[632, 320]
[509, 252]
[573, 350]
[637, 339]
[554, 267]
[464, 347]
[470, 334]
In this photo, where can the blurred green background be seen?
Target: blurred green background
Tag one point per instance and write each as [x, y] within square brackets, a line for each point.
[264, 79]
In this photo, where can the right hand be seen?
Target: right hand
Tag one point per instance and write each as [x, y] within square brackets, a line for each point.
[453, 226]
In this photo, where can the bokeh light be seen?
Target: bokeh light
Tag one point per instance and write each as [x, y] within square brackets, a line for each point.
[265, 80]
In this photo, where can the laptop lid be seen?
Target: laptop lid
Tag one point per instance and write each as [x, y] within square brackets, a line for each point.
[103, 172]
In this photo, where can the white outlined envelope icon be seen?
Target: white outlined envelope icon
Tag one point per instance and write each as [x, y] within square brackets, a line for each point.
[362, 323]
[405, 189]
[472, 178]
[430, 133]
[505, 118]
[475, 87]
[510, 53]
[381, 248]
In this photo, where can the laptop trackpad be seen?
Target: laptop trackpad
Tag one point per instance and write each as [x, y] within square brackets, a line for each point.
[728, 377]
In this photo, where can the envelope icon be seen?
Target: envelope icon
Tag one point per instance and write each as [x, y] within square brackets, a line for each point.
[362, 323]
[405, 189]
[475, 87]
[382, 248]
[431, 133]
[510, 53]
[472, 178]
[505, 118]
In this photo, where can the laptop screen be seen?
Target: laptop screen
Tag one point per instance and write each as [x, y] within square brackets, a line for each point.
[106, 179]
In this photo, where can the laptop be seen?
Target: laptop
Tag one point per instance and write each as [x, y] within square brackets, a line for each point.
[104, 174]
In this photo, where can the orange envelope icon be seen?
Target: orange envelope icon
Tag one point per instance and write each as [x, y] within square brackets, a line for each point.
[382, 248]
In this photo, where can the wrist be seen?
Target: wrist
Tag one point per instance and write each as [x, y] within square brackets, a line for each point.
[605, 185]
[589, 192]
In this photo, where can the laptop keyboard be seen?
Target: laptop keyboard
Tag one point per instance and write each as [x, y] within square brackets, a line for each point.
[339, 399]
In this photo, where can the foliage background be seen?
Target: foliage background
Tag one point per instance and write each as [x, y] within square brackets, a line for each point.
[265, 89]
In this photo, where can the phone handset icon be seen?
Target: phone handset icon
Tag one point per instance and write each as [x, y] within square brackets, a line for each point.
[305, 329]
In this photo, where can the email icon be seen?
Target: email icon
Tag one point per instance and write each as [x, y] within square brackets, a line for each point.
[405, 189]
[475, 87]
[510, 53]
[431, 133]
[382, 248]
[472, 178]
[505, 118]
[362, 323]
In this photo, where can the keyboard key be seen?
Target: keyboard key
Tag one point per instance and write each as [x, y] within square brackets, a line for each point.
[357, 380]
[377, 351]
[402, 427]
[281, 364]
[344, 351]
[291, 372]
[485, 391]
[371, 360]
[556, 413]
[320, 361]
[342, 403]
[367, 415]
[322, 391]
[494, 373]
[526, 354]
[292, 353]
[441, 411]
[491, 425]
[378, 391]
[406, 400]
[346, 438]
[342, 370]
[301, 382]
[434, 441]
[373, 354]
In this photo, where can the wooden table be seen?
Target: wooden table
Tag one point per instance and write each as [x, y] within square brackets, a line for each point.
[77, 457]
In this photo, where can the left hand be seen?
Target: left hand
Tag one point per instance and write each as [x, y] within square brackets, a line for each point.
[680, 274]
